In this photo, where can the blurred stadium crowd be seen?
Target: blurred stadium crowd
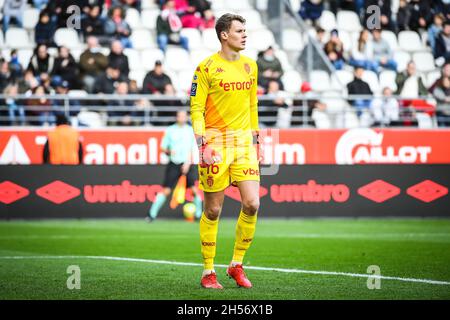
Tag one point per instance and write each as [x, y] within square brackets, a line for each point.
[128, 47]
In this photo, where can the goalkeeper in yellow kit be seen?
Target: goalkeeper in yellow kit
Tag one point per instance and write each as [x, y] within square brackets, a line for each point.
[224, 112]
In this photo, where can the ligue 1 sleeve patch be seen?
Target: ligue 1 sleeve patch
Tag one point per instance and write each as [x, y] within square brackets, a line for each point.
[194, 90]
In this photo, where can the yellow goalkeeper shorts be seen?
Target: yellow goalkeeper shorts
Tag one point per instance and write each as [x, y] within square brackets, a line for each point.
[238, 164]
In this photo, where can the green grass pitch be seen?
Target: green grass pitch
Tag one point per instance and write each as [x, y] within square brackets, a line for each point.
[402, 248]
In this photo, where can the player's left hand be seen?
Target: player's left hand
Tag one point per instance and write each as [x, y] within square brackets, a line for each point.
[259, 148]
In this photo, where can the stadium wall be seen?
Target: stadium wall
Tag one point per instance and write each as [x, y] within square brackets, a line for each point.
[43, 191]
[288, 146]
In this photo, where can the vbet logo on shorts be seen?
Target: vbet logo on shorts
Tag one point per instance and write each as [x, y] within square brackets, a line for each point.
[366, 146]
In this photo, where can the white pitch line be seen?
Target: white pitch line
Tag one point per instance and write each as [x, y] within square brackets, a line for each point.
[193, 264]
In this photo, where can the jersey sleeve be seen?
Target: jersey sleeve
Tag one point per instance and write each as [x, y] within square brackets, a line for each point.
[254, 122]
[199, 94]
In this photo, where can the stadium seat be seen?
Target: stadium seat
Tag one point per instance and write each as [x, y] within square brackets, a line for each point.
[90, 119]
[237, 5]
[133, 18]
[149, 56]
[334, 101]
[177, 59]
[77, 93]
[402, 58]
[210, 40]
[390, 38]
[184, 81]
[295, 4]
[346, 39]
[134, 59]
[261, 5]
[424, 61]
[410, 41]
[218, 5]
[194, 36]
[348, 21]
[327, 20]
[30, 18]
[321, 119]
[142, 39]
[149, 18]
[253, 20]
[320, 81]
[284, 60]
[24, 56]
[432, 77]
[292, 40]
[137, 75]
[340, 79]
[372, 79]
[351, 120]
[387, 79]
[2, 42]
[199, 55]
[67, 37]
[292, 81]
[424, 120]
[251, 53]
[149, 4]
[17, 38]
[260, 39]
[76, 53]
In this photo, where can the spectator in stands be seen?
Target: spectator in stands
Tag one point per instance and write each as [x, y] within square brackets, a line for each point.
[434, 30]
[156, 81]
[269, 68]
[441, 93]
[44, 30]
[385, 110]
[63, 145]
[41, 61]
[359, 87]
[421, 15]
[382, 52]
[442, 6]
[5, 74]
[409, 83]
[190, 17]
[118, 58]
[62, 88]
[352, 5]
[92, 63]
[16, 111]
[28, 83]
[445, 73]
[334, 50]
[108, 81]
[403, 15]
[136, 4]
[123, 116]
[40, 4]
[66, 67]
[308, 105]
[13, 9]
[14, 66]
[442, 49]
[93, 25]
[117, 28]
[386, 13]
[208, 20]
[40, 107]
[168, 27]
[281, 103]
[311, 10]
[362, 53]
[320, 35]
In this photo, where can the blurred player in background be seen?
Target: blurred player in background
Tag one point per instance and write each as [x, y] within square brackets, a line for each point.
[178, 143]
[224, 111]
[63, 145]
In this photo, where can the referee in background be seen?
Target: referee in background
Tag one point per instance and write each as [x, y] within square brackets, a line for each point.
[178, 143]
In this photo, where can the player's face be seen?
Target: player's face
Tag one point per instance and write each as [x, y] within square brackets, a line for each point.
[181, 118]
[237, 36]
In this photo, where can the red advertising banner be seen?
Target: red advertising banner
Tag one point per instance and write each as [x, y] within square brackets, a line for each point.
[291, 146]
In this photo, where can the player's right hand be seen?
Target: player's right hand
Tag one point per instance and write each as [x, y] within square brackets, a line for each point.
[208, 156]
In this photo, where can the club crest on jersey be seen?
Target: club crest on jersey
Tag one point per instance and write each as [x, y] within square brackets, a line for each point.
[195, 77]
[247, 68]
[210, 181]
[194, 89]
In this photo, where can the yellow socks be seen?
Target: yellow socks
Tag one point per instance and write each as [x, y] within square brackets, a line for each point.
[245, 230]
[208, 236]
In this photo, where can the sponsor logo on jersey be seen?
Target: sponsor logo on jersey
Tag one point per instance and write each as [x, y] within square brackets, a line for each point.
[251, 172]
[208, 244]
[219, 70]
[236, 86]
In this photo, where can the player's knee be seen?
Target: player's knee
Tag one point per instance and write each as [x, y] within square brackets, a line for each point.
[166, 191]
[251, 206]
[212, 212]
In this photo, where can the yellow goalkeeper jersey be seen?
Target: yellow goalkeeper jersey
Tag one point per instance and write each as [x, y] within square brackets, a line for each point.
[224, 97]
